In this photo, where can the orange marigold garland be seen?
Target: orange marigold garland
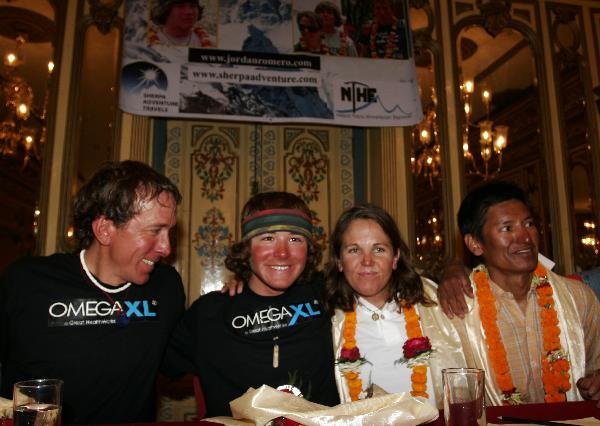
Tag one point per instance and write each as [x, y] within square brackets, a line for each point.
[555, 365]
[391, 45]
[343, 50]
[204, 37]
[350, 360]
[152, 35]
[417, 351]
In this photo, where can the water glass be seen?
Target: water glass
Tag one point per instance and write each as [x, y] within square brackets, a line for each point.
[37, 402]
[464, 396]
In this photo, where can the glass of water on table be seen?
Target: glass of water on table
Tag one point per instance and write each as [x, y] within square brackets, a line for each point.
[37, 402]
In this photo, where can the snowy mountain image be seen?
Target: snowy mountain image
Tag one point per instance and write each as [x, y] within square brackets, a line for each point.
[247, 23]
[256, 101]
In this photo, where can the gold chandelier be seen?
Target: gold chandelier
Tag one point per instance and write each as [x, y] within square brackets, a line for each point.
[431, 239]
[589, 240]
[425, 160]
[23, 126]
[492, 138]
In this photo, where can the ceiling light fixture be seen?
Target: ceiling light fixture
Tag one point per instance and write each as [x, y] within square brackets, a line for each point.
[492, 138]
[23, 126]
[425, 160]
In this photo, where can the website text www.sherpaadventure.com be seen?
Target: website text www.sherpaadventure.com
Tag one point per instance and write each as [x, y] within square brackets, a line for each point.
[210, 74]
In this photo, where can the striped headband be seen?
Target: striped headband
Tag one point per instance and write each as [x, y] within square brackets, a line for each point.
[273, 220]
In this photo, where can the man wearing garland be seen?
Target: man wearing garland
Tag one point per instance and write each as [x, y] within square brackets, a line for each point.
[386, 36]
[275, 332]
[99, 319]
[533, 331]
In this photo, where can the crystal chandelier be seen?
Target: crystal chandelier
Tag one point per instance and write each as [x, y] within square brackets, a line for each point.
[425, 160]
[492, 138]
[22, 125]
[589, 240]
[431, 239]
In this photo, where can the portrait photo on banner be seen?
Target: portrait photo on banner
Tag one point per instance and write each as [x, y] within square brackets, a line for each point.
[182, 23]
[370, 29]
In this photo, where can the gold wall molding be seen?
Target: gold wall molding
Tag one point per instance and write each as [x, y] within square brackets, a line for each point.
[496, 15]
[136, 133]
[105, 14]
[571, 56]
[218, 166]
[53, 178]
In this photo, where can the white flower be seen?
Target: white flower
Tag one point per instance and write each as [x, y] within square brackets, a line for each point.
[513, 399]
[554, 356]
[421, 359]
[351, 366]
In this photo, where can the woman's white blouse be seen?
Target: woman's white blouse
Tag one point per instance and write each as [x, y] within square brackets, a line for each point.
[380, 342]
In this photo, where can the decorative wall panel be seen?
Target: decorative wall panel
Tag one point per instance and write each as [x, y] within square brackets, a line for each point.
[595, 12]
[218, 166]
[579, 129]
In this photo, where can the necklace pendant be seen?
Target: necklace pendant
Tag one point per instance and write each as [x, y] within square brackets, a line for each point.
[275, 353]
[375, 316]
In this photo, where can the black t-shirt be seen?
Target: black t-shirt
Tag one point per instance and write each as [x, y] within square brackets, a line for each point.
[230, 343]
[54, 323]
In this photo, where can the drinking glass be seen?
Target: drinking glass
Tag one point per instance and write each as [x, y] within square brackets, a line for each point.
[37, 402]
[464, 396]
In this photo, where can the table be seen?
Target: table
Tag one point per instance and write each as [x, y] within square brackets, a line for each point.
[557, 411]
[8, 422]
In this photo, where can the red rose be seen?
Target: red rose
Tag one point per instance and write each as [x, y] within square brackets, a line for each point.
[350, 354]
[416, 346]
[283, 421]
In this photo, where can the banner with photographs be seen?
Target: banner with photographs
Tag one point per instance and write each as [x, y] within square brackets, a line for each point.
[343, 62]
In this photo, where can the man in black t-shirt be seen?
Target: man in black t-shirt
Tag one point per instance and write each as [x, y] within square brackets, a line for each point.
[275, 332]
[99, 319]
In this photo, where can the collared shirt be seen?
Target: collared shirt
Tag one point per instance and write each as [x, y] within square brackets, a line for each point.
[522, 337]
[380, 342]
